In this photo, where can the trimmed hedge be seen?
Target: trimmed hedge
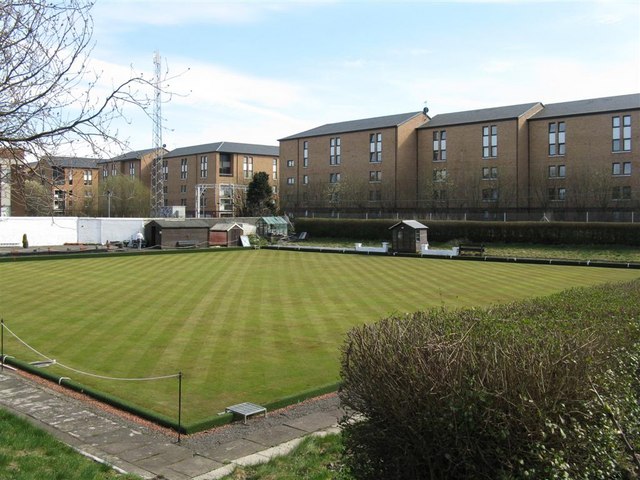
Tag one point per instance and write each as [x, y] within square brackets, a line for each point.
[481, 232]
[547, 388]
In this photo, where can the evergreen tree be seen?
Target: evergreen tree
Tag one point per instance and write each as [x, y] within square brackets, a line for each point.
[260, 201]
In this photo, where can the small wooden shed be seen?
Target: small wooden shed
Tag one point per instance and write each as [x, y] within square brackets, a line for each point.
[408, 236]
[225, 235]
[178, 233]
[268, 226]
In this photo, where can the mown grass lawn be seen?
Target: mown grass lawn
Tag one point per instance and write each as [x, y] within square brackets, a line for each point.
[254, 325]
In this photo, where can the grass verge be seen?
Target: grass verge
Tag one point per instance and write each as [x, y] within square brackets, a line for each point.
[316, 458]
[28, 453]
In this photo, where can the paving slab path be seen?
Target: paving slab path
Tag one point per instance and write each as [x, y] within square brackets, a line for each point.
[138, 447]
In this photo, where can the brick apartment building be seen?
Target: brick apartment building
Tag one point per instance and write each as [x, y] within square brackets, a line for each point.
[73, 182]
[136, 164]
[362, 164]
[531, 159]
[217, 175]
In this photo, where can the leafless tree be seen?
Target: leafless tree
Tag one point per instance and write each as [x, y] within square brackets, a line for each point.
[49, 98]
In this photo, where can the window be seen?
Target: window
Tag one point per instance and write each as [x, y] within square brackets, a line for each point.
[557, 139]
[334, 151]
[334, 177]
[114, 170]
[291, 163]
[247, 167]
[132, 169]
[165, 189]
[621, 134]
[440, 195]
[183, 169]
[623, 168]
[183, 189]
[105, 171]
[557, 194]
[274, 169]
[375, 195]
[621, 193]
[375, 176]
[557, 171]
[165, 169]
[226, 191]
[58, 200]
[203, 201]
[58, 175]
[291, 181]
[375, 147]
[305, 179]
[490, 195]
[225, 164]
[440, 146]
[70, 177]
[226, 205]
[489, 173]
[439, 174]
[183, 202]
[88, 177]
[204, 166]
[490, 141]
[305, 154]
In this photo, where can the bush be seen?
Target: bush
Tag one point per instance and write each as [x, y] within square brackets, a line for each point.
[481, 232]
[536, 389]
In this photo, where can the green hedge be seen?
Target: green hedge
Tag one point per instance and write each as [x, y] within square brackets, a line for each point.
[541, 389]
[481, 232]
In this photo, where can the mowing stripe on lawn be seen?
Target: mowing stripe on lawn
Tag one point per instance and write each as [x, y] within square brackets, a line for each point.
[253, 325]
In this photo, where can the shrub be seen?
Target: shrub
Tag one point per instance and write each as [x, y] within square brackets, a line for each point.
[546, 388]
[481, 232]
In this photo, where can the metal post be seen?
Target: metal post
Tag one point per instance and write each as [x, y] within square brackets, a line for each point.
[179, 404]
[2, 344]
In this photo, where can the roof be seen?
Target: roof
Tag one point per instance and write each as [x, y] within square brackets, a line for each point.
[356, 125]
[225, 147]
[133, 155]
[274, 220]
[224, 227]
[410, 223]
[483, 115]
[593, 105]
[72, 162]
[182, 223]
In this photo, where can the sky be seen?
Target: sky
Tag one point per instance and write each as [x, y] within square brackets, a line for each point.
[256, 71]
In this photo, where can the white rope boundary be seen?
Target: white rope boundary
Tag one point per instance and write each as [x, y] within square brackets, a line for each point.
[80, 372]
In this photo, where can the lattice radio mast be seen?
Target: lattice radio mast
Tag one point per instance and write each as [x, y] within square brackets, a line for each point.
[157, 176]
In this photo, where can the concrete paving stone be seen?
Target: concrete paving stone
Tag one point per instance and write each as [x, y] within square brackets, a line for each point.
[152, 449]
[120, 434]
[313, 422]
[10, 394]
[194, 466]
[165, 458]
[64, 420]
[126, 445]
[269, 437]
[217, 473]
[168, 474]
[229, 451]
[97, 426]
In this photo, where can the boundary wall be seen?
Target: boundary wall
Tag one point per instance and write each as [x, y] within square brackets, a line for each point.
[47, 231]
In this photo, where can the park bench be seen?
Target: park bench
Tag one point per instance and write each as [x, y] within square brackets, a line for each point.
[471, 249]
[186, 244]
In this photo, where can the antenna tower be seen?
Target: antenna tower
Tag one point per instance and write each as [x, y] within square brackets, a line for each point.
[157, 176]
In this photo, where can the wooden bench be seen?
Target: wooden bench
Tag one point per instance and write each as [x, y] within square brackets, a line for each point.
[471, 249]
[186, 244]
